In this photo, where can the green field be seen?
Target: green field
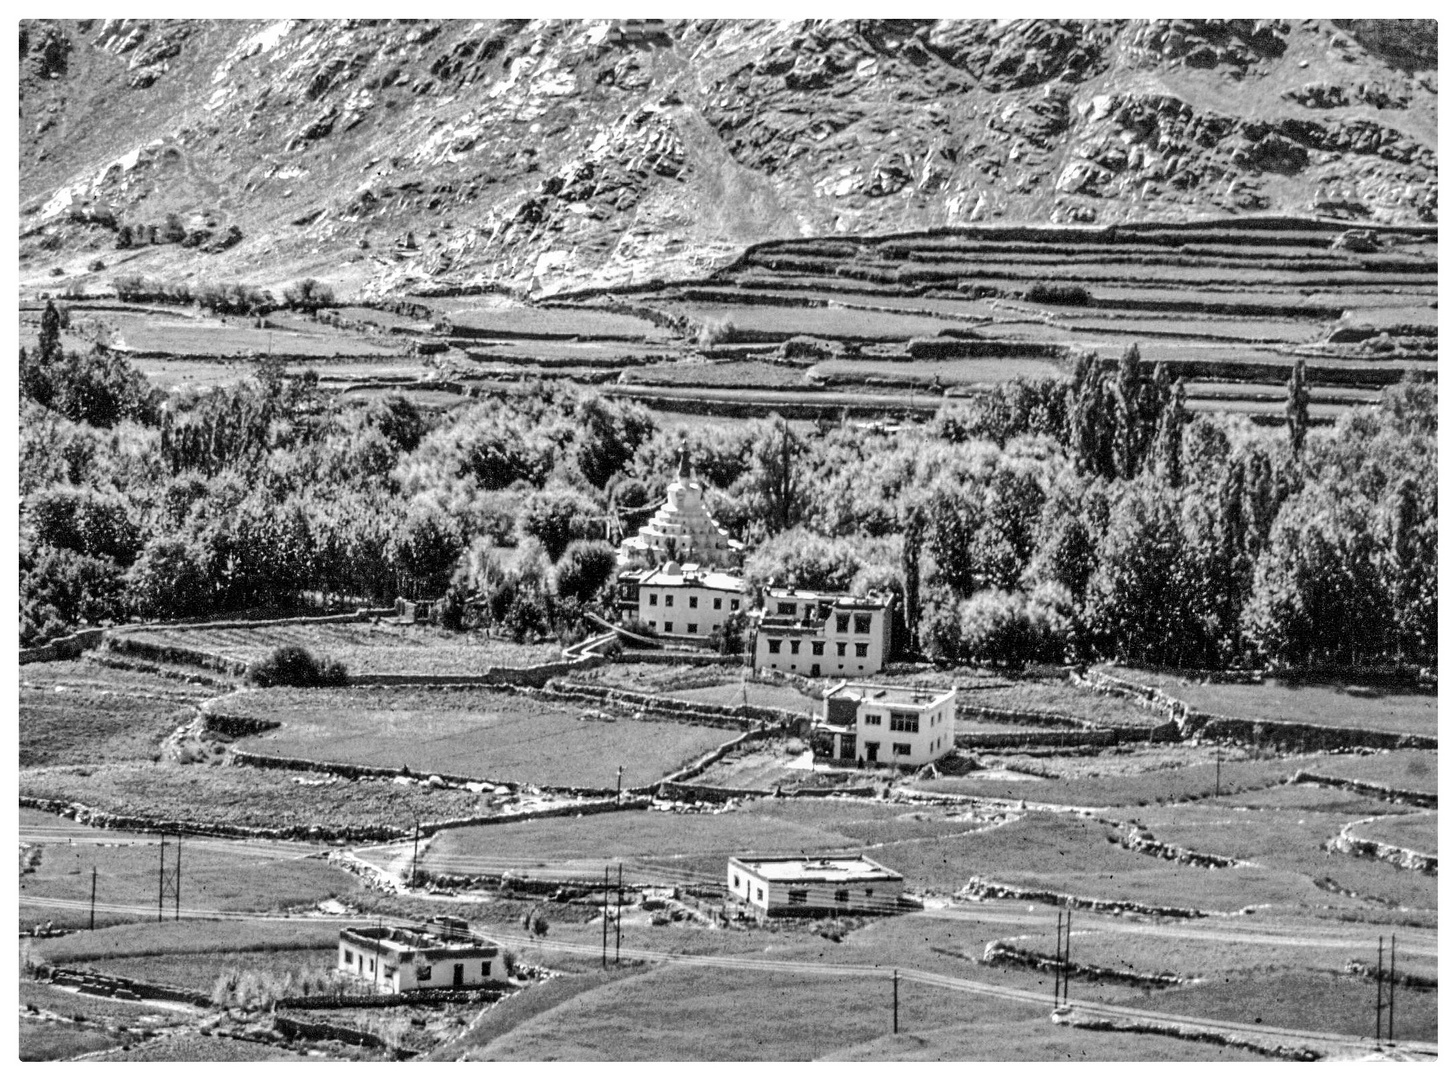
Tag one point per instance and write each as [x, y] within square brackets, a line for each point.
[1414, 832]
[472, 732]
[255, 798]
[1338, 705]
[364, 648]
[75, 712]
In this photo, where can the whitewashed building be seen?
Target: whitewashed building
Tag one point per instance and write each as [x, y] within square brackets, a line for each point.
[822, 634]
[440, 955]
[682, 530]
[682, 601]
[863, 724]
[772, 887]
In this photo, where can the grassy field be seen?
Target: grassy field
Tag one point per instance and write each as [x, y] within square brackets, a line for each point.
[980, 371]
[197, 1046]
[48, 1040]
[73, 712]
[215, 877]
[364, 647]
[200, 971]
[474, 732]
[1068, 699]
[761, 695]
[1414, 832]
[1338, 705]
[189, 937]
[1410, 770]
[490, 314]
[261, 798]
[728, 373]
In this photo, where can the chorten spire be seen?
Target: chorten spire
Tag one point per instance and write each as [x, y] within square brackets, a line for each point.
[684, 466]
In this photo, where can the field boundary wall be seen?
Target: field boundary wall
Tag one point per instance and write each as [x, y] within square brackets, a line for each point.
[979, 888]
[1347, 843]
[999, 952]
[294, 1028]
[80, 977]
[1188, 1033]
[1367, 787]
[765, 714]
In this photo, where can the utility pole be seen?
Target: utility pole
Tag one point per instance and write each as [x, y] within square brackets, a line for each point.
[619, 914]
[415, 862]
[161, 877]
[1217, 770]
[1390, 998]
[606, 893]
[177, 896]
[93, 898]
[1057, 967]
[895, 984]
[619, 785]
[1379, 993]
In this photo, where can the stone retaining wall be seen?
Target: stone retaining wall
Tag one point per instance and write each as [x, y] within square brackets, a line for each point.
[998, 952]
[108, 985]
[1346, 843]
[981, 889]
[678, 707]
[66, 648]
[1366, 787]
[1270, 1046]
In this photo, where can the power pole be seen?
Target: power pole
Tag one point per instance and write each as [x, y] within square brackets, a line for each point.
[1379, 993]
[93, 898]
[619, 914]
[177, 896]
[606, 893]
[895, 983]
[415, 862]
[1067, 961]
[1057, 967]
[162, 874]
[1390, 998]
[619, 785]
[1217, 771]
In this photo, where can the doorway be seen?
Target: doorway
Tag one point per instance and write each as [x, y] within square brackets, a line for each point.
[459, 974]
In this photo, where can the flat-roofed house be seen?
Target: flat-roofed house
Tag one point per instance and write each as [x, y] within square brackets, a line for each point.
[864, 724]
[439, 955]
[773, 887]
[687, 601]
[822, 634]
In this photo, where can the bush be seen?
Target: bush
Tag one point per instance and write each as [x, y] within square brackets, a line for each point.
[309, 294]
[1049, 293]
[586, 567]
[715, 332]
[293, 665]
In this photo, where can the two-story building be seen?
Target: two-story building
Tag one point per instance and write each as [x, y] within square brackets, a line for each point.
[439, 955]
[772, 887]
[863, 724]
[822, 634]
[687, 601]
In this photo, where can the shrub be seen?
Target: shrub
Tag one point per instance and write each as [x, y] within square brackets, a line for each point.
[1044, 292]
[715, 332]
[293, 665]
[309, 294]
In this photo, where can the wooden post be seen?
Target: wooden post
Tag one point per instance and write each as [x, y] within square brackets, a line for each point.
[606, 891]
[177, 895]
[619, 914]
[1379, 994]
[93, 898]
[1057, 967]
[1390, 998]
[161, 877]
[895, 982]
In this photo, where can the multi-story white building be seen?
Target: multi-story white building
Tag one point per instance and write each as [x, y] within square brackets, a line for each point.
[681, 601]
[440, 955]
[864, 724]
[803, 885]
[822, 634]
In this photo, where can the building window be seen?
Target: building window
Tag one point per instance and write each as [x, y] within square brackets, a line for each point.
[717, 603]
[798, 896]
[862, 624]
[839, 648]
[692, 628]
[667, 628]
[733, 604]
[422, 973]
[861, 648]
[872, 719]
[371, 966]
[869, 893]
[348, 956]
[841, 896]
[651, 599]
[735, 881]
[794, 646]
[774, 644]
[907, 722]
[653, 624]
[787, 608]
[841, 623]
[817, 647]
[692, 601]
[902, 749]
[760, 892]
[485, 970]
[667, 600]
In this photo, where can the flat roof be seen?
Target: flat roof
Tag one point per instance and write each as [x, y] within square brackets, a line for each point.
[695, 579]
[890, 696]
[870, 600]
[812, 868]
[423, 941]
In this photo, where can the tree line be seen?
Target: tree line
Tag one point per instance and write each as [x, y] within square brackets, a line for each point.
[1057, 519]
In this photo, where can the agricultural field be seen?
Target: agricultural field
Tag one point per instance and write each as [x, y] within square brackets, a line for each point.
[1414, 832]
[364, 648]
[479, 733]
[252, 798]
[980, 371]
[755, 373]
[76, 712]
[1060, 697]
[1370, 707]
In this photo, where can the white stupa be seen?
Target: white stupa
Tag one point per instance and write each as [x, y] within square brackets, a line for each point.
[682, 530]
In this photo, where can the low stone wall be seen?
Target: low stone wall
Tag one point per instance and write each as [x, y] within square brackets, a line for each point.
[108, 986]
[668, 657]
[66, 648]
[677, 792]
[293, 1028]
[1023, 717]
[1144, 843]
[979, 888]
[537, 676]
[1347, 843]
[1270, 1047]
[719, 752]
[389, 1000]
[998, 952]
[1424, 799]
[678, 707]
[992, 740]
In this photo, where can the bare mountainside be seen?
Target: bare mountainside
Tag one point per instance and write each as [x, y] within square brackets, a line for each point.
[548, 155]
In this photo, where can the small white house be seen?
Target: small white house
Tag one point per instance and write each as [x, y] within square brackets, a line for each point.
[440, 955]
[807, 885]
[863, 724]
[684, 601]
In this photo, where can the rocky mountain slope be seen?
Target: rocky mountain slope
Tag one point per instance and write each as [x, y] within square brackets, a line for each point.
[543, 155]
